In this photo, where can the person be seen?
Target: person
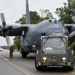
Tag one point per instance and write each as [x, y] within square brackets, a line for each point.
[11, 48]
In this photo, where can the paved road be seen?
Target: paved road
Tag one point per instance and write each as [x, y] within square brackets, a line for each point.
[8, 69]
[19, 66]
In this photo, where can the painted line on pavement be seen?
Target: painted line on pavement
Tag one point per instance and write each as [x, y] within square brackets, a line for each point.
[25, 71]
[70, 73]
[3, 58]
[19, 68]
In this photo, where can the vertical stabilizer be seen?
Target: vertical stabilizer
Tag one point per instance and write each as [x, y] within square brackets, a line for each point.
[27, 13]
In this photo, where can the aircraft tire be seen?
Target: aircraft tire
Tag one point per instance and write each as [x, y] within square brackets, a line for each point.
[24, 55]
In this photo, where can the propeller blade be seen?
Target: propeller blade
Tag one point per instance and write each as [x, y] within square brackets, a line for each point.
[8, 40]
[3, 20]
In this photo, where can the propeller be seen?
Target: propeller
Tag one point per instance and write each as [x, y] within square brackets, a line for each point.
[5, 30]
[3, 20]
[8, 41]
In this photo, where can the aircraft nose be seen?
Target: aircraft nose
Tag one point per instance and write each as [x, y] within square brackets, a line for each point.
[57, 34]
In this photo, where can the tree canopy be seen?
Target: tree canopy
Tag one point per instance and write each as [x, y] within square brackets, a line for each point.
[65, 13]
[34, 18]
[17, 42]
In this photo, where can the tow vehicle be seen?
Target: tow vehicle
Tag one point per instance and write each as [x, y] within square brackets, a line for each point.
[54, 52]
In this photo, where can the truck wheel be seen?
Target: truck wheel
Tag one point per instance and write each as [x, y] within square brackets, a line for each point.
[72, 68]
[38, 67]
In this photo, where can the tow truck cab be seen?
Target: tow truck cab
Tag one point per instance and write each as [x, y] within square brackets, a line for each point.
[54, 53]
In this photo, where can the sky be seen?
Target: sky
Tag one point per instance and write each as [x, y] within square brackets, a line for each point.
[13, 10]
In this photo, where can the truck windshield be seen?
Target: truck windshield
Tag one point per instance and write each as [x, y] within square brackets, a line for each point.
[54, 45]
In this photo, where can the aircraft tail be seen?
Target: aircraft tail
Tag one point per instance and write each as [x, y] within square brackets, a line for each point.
[27, 13]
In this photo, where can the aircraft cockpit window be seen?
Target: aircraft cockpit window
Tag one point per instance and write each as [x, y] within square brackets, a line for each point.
[55, 26]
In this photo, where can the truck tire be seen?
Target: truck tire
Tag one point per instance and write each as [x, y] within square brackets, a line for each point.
[38, 67]
[72, 68]
[71, 59]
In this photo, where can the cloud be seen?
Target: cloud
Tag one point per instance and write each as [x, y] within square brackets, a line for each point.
[12, 9]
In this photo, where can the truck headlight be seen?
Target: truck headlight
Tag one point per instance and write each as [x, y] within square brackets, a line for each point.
[64, 59]
[44, 59]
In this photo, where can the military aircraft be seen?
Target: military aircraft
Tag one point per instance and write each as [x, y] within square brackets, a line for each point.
[30, 34]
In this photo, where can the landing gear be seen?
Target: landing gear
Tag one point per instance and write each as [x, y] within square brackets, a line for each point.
[24, 55]
[25, 52]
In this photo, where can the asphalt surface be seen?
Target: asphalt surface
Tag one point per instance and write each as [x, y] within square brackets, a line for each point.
[20, 66]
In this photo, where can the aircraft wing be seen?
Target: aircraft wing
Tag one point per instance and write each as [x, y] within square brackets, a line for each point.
[71, 29]
[13, 30]
[18, 31]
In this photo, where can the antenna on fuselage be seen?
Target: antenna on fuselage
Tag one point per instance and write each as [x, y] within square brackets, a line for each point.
[27, 13]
